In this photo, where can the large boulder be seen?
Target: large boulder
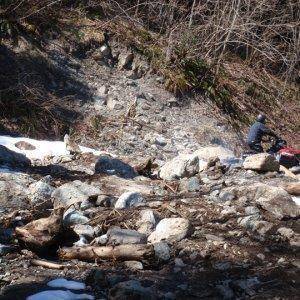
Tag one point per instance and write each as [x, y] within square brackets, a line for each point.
[74, 192]
[113, 166]
[40, 192]
[171, 230]
[263, 162]
[180, 167]
[276, 201]
[207, 153]
[271, 198]
[118, 236]
[10, 157]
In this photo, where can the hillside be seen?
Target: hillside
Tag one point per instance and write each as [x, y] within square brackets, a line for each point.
[235, 68]
[123, 172]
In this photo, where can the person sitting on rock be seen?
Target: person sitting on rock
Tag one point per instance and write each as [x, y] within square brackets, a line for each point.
[256, 133]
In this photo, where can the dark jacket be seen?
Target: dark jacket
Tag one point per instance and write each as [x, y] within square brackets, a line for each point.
[257, 131]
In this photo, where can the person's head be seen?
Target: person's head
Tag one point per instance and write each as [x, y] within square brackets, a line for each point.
[261, 118]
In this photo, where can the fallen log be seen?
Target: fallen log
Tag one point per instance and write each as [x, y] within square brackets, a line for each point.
[293, 188]
[47, 264]
[121, 252]
[43, 232]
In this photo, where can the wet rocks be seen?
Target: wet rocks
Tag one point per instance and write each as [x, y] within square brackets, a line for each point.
[74, 192]
[263, 162]
[113, 166]
[118, 236]
[180, 167]
[170, 230]
[129, 199]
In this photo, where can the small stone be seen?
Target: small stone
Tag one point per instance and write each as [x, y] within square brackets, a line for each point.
[73, 217]
[133, 265]
[179, 263]
[261, 256]
[160, 140]
[162, 251]
[226, 196]
[281, 261]
[286, 232]
[251, 210]
[84, 230]
[129, 199]
[171, 230]
[101, 240]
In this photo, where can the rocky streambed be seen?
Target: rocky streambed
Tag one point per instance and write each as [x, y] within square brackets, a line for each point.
[202, 225]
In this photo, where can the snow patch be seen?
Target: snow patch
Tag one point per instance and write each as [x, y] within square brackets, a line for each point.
[296, 199]
[68, 284]
[42, 149]
[59, 295]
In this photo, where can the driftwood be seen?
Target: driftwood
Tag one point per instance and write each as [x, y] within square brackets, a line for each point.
[293, 188]
[43, 232]
[287, 172]
[47, 264]
[122, 252]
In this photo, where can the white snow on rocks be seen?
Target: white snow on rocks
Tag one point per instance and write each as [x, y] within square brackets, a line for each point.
[59, 295]
[42, 149]
[68, 284]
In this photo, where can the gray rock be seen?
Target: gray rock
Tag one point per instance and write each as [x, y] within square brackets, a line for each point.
[162, 251]
[180, 167]
[113, 166]
[133, 265]
[160, 140]
[74, 192]
[286, 232]
[226, 195]
[114, 104]
[82, 242]
[72, 217]
[125, 60]
[171, 230]
[276, 201]
[85, 230]
[6, 249]
[40, 192]
[206, 153]
[118, 236]
[190, 184]
[263, 162]
[251, 210]
[129, 199]
[12, 158]
[101, 240]
[147, 222]
[179, 262]
[132, 289]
